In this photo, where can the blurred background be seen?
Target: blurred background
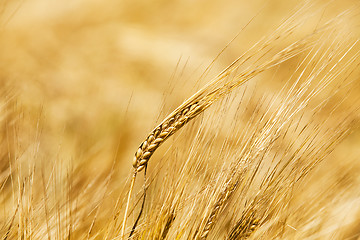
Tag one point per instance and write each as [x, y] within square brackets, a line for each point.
[84, 81]
[96, 73]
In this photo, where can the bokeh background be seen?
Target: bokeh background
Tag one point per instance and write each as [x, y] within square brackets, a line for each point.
[96, 72]
[84, 81]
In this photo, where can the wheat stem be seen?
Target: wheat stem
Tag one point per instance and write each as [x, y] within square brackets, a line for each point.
[128, 204]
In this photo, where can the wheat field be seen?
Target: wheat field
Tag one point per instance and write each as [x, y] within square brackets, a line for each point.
[217, 119]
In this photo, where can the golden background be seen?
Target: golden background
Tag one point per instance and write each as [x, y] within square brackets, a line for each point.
[84, 81]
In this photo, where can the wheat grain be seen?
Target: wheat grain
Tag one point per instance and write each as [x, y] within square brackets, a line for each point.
[244, 227]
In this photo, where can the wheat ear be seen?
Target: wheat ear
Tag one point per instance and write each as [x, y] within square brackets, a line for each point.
[204, 98]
